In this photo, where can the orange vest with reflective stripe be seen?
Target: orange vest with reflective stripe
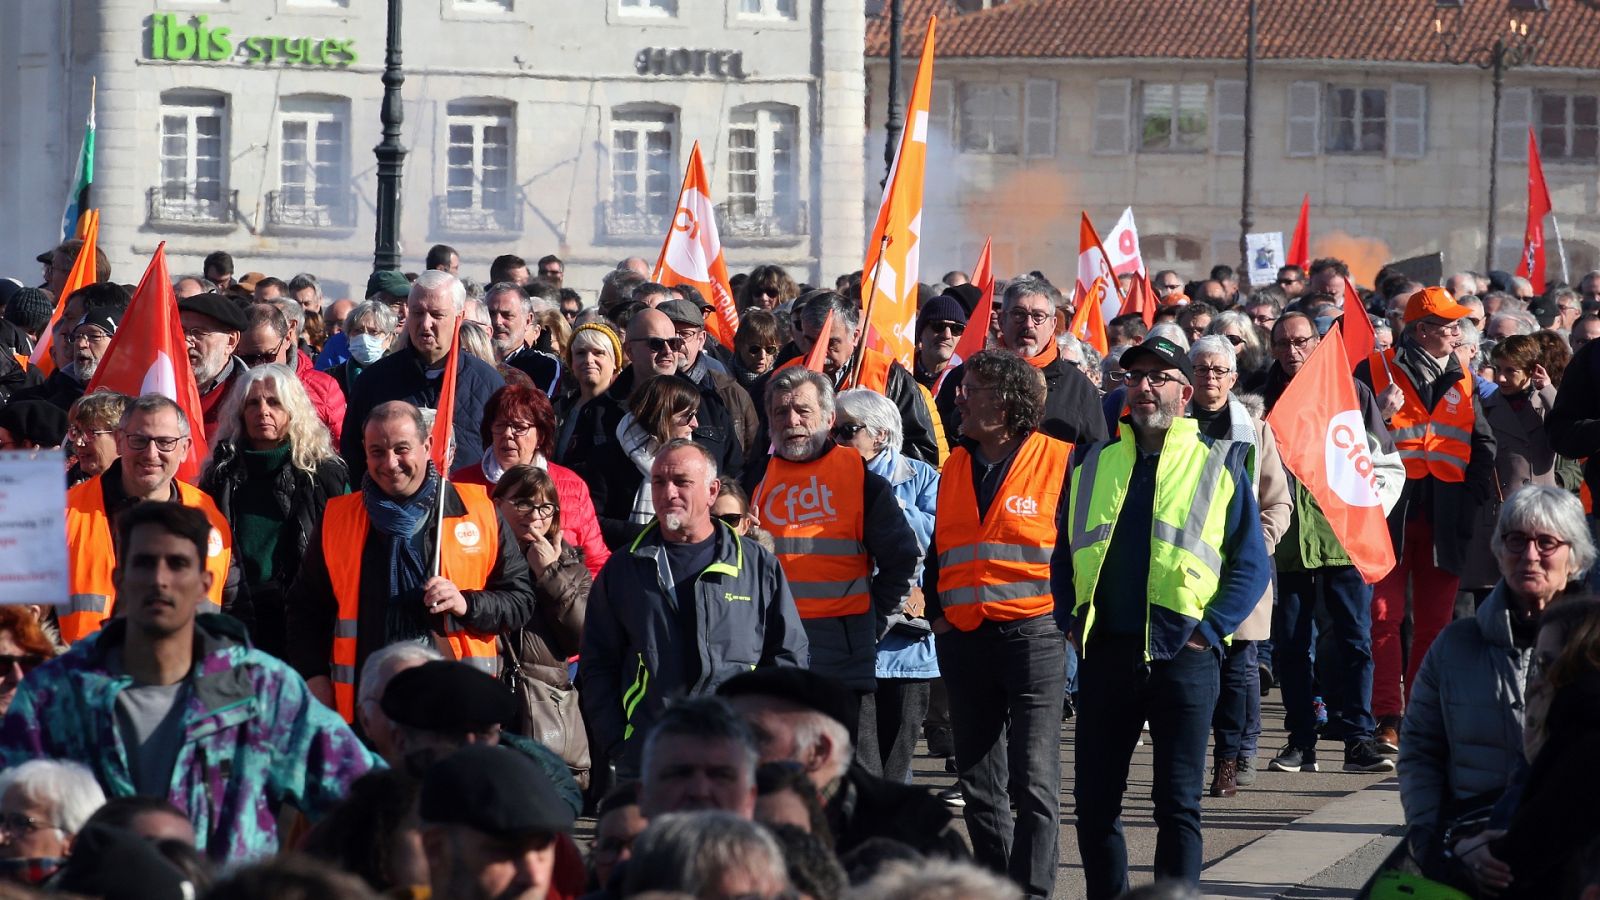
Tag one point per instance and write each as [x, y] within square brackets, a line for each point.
[92, 557]
[815, 513]
[470, 546]
[1436, 442]
[998, 567]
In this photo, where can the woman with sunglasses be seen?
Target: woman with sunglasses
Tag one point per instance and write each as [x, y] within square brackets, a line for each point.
[271, 472]
[1249, 348]
[768, 288]
[528, 499]
[663, 408]
[92, 433]
[905, 663]
[24, 646]
[733, 508]
[755, 346]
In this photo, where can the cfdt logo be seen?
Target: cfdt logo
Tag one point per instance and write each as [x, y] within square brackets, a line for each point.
[799, 504]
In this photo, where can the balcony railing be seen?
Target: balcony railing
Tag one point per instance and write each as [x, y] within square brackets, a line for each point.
[305, 214]
[177, 204]
[471, 220]
[738, 221]
[625, 219]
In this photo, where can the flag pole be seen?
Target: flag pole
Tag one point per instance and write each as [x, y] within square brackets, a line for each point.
[1561, 251]
[866, 312]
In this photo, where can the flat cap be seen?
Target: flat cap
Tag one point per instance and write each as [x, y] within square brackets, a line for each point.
[496, 790]
[388, 281]
[682, 312]
[215, 306]
[36, 421]
[801, 687]
[448, 697]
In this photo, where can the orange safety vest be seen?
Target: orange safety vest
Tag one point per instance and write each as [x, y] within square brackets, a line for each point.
[1437, 443]
[872, 369]
[815, 512]
[470, 549]
[998, 567]
[92, 596]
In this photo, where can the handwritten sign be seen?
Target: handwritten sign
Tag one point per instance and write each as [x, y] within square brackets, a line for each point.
[33, 528]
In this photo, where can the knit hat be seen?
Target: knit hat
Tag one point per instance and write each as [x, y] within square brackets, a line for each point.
[968, 295]
[605, 331]
[30, 309]
[943, 308]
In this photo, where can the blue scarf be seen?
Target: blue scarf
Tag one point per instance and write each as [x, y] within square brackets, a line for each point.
[403, 524]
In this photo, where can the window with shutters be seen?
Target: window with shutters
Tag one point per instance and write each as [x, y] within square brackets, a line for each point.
[1516, 115]
[479, 178]
[1358, 120]
[643, 171]
[1112, 99]
[941, 114]
[1039, 110]
[989, 117]
[194, 157]
[1173, 118]
[1568, 127]
[763, 192]
[1408, 121]
[313, 188]
[1229, 117]
[1303, 136]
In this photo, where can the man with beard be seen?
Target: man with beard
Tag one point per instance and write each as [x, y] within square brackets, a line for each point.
[212, 325]
[846, 547]
[516, 331]
[1167, 560]
[688, 605]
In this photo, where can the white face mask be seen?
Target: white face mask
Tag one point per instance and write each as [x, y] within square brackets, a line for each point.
[366, 349]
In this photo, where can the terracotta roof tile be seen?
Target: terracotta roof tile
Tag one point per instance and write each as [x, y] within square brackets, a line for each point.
[1361, 30]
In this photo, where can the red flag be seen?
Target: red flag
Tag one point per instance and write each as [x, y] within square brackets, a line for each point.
[83, 273]
[1088, 325]
[1300, 247]
[972, 339]
[148, 355]
[1531, 266]
[1323, 438]
[1141, 299]
[692, 252]
[1359, 338]
[818, 357]
[444, 417]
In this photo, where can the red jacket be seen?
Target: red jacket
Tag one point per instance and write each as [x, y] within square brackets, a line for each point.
[579, 525]
[326, 396]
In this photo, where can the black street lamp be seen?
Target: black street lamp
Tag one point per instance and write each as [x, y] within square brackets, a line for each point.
[892, 126]
[1511, 49]
[391, 156]
[1246, 220]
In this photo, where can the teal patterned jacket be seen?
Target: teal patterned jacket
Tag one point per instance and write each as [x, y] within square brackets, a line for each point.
[254, 737]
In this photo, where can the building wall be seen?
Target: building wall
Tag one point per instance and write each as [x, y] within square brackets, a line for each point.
[560, 69]
[1367, 208]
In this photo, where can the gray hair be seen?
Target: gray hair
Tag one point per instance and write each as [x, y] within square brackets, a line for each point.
[435, 281]
[68, 789]
[819, 304]
[705, 718]
[377, 309]
[150, 404]
[1068, 343]
[790, 379]
[1171, 332]
[309, 441]
[1214, 345]
[875, 411]
[1547, 508]
[207, 286]
[293, 312]
[386, 662]
[1470, 335]
[935, 878]
[696, 446]
[306, 280]
[1027, 286]
[1113, 360]
[692, 852]
[810, 725]
[505, 287]
[1523, 322]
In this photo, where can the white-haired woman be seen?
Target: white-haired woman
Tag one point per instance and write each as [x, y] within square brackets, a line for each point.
[271, 472]
[369, 327]
[43, 804]
[1249, 347]
[906, 662]
[1462, 737]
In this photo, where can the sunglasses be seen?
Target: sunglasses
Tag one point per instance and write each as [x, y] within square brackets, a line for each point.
[846, 433]
[732, 520]
[955, 328]
[660, 345]
[27, 661]
[1235, 340]
[258, 359]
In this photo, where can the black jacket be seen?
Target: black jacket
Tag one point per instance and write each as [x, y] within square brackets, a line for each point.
[1071, 406]
[917, 440]
[1574, 421]
[867, 806]
[402, 376]
[60, 389]
[505, 604]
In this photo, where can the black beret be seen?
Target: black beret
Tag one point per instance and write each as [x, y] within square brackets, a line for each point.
[114, 864]
[225, 311]
[448, 697]
[38, 421]
[801, 687]
[495, 790]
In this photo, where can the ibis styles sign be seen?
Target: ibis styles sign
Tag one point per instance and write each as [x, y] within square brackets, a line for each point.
[174, 40]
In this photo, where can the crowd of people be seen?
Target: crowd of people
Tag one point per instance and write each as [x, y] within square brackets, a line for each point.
[716, 597]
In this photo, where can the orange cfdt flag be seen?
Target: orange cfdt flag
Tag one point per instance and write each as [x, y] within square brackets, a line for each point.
[1300, 246]
[692, 251]
[1088, 325]
[1093, 262]
[1322, 435]
[444, 416]
[1359, 338]
[148, 355]
[1531, 266]
[972, 340]
[83, 273]
[818, 357]
[889, 291]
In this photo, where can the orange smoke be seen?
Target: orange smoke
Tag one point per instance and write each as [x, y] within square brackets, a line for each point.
[1026, 213]
[1364, 255]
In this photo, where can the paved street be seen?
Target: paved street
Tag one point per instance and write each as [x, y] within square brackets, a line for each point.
[1299, 836]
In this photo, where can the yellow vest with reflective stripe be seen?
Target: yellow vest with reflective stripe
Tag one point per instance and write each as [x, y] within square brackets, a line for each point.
[1188, 525]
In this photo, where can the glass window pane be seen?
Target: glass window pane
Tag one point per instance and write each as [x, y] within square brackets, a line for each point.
[1583, 110]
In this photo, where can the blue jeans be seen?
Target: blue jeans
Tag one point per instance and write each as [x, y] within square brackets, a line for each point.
[1347, 652]
[1119, 693]
[1236, 724]
[1006, 683]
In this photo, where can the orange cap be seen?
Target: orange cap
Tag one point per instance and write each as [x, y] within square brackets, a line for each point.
[1434, 301]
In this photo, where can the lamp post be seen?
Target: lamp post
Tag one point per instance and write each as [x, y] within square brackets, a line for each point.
[1246, 220]
[1510, 50]
[391, 156]
[891, 127]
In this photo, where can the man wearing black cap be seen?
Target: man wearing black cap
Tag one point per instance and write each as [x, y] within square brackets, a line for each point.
[212, 324]
[799, 716]
[490, 824]
[1168, 515]
[940, 324]
[700, 367]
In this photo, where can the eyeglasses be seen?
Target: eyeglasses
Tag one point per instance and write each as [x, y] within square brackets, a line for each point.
[141, 442]
[77, 435]
[19, 824]
[846, 432]
[515, 429]
[1287, 282]
[1446, 327]
[1156, 379]
[1177, 286]
[95, 337]
[1292, 343]
[1517, 542]
[1265, 319]
[198, 334]
[26, 661]
[1020, 316]
[1211, 371]
[955, 328]
[531, 507]
[660, 345]
[754, 350]
[733, 520]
